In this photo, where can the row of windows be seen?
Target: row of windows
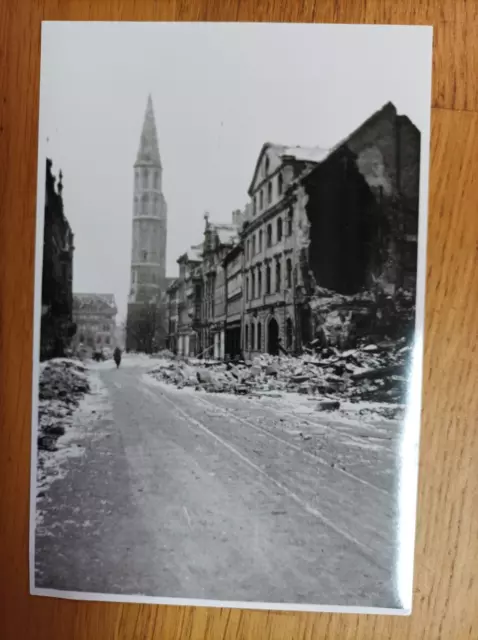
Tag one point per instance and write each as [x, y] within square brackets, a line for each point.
[143, 178]
[142, 204]
[266, 194]
[254, 244]
[95, 328]
[90, 341]
[253, 335]
[254, 280]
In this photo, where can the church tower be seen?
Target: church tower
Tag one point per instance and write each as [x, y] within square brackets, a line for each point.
[148, 255]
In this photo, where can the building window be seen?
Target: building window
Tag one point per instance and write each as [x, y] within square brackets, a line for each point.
[106, 327]
[249, 249]
[289, 333]
[144, 255]
[266, 165]
[261, 200]
[247, 337]
[136, 179]
[107, 340]
[254, 245]
[280, 184]
[268, 278]
[253, 282]
[278, 276]
[260, 241]
[289, 273]
[156, 179]
[145, 178]
[253, 337]
[82, 337]
[254, 205]
[279, 229]
[259, 336]
[290, 215]
[247, 287]
[269, 235]
[98, 339]
[133, 277]
[259, 282]
[269, 193]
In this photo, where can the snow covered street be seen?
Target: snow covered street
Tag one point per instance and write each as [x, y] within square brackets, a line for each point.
[183, 493]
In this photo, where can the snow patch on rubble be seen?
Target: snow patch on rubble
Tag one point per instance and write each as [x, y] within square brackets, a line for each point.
[76, 417]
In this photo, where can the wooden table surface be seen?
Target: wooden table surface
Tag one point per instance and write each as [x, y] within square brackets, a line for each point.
[446, 580]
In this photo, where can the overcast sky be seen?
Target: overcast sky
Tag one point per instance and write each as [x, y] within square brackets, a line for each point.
[219, 92]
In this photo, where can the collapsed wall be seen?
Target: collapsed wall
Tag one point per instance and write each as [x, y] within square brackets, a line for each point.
[357, 225]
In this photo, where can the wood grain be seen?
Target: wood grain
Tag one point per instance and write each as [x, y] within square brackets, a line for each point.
[446, 592]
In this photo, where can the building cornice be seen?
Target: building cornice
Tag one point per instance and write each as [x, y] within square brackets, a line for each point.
[266, 215]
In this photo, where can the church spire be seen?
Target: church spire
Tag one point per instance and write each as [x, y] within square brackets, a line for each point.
[148, 152]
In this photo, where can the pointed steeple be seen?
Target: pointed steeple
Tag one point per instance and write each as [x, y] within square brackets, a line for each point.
[148, 152]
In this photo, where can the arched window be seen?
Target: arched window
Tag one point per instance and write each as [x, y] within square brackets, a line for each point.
[247, 338]
[269, 235]
[280, 184]
[261, 200]
[253, 337]
[260, 241]
[259, 282]
[278, 276]
[266, 165]
[289, 333]
[268, 278]
[254, 245]
[289, 273]
[259, 336]
[253, 282]
[247, 287]
[279, 229]
[269, 192]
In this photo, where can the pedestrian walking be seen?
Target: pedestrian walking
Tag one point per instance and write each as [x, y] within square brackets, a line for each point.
[117, 357]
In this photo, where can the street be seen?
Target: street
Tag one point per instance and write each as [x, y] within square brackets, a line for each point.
[186, 494]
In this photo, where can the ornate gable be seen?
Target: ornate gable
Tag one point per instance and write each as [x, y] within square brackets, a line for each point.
[268, 162]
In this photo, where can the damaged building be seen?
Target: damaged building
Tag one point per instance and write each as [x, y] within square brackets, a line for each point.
[324, 254]
[57, 326]
[331, 248]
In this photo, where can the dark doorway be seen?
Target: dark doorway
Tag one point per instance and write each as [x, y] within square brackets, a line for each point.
[233, 342]
[273, 337]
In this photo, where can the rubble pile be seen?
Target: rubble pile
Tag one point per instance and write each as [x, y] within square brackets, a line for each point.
[63, 383]
[373, 372]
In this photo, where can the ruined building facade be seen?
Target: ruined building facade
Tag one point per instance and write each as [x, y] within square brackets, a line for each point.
[146, 314]
[57, 326]
[95, 318]
[327, 249]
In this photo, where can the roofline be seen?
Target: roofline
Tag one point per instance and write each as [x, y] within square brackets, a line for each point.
[265, 146]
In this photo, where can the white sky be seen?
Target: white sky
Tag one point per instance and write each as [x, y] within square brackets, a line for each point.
[219, 92]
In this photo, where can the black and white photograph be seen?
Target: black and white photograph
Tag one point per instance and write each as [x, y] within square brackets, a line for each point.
[229, 311]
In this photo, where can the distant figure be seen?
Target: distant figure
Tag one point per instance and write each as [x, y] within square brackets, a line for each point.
[117, 356]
